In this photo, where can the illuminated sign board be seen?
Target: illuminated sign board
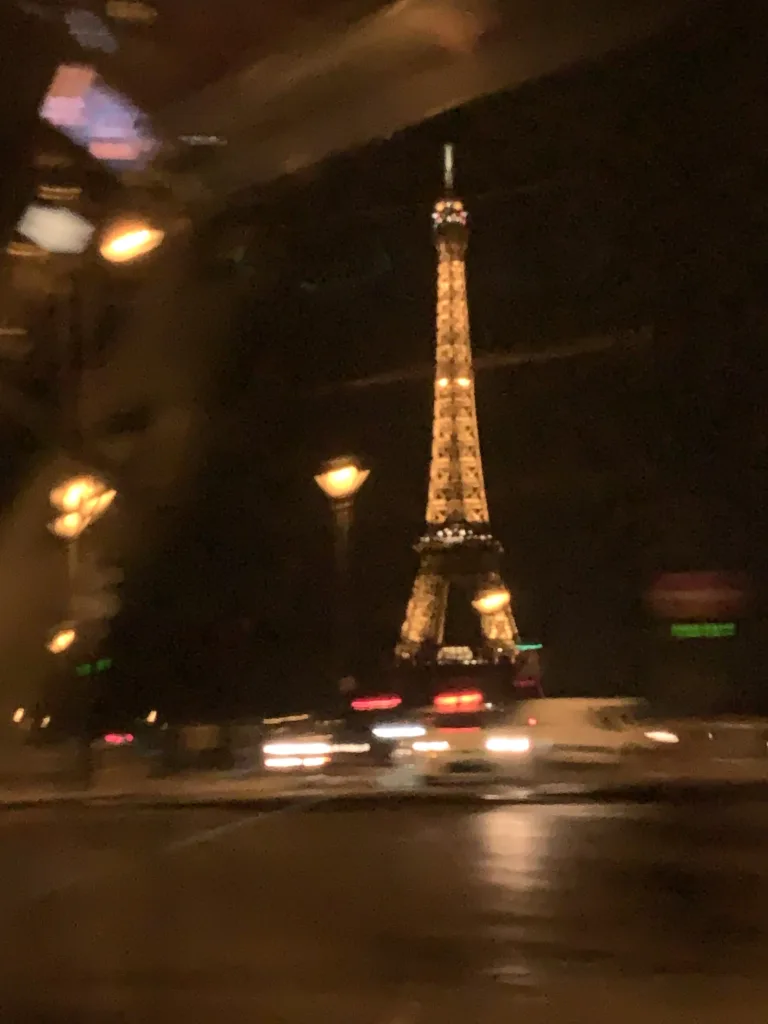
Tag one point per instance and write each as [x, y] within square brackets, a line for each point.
[81, 106]
[90, 668]
[702, 630]
[698, 595]
[55, 229]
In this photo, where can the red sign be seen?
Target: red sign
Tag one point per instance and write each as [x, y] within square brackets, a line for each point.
[697, 595]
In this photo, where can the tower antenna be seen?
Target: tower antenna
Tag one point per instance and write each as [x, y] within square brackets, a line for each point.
[448, 180]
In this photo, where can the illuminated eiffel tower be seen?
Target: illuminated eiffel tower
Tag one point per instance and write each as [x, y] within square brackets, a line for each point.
[459, 557]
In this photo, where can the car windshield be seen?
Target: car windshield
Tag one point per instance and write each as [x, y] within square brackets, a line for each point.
[383, 408]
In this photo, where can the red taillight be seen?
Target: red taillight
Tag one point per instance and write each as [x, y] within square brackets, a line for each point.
[117, 739]
[464, 700]
[384, 703]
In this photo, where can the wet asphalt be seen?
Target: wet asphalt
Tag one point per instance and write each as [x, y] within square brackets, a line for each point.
[391, 911]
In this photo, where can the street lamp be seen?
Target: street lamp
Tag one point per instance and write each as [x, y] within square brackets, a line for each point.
[62, 639]
[489, 601]
[81, 500]
[340, 479]
[125, 241]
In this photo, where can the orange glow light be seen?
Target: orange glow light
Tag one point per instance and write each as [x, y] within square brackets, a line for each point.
[463, 700]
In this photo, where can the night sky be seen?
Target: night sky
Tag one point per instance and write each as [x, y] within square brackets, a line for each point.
[616, 197]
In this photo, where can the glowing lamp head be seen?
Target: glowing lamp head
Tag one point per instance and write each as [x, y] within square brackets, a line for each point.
[62, 640]
[99, 503]
[129, 240]
[491, 601]
[68, 527]
[82, 500]
[342, 478]
[71, 495]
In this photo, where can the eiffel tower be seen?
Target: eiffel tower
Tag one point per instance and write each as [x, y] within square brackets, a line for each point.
[458, 555]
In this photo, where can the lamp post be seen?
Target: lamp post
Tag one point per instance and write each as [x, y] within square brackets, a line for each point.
[81, 500]
[127, 240]
[340, 479]
[62, 638]
[78, 503]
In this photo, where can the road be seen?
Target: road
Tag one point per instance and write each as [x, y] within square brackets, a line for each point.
[391, 912]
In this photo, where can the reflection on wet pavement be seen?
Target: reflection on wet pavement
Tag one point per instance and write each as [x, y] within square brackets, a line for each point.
[402, 913]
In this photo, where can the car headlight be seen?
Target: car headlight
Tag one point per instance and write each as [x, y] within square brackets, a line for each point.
[431, 746]
[297, 749]
[662, 736]
[398, 731]
[508, 744]
[296, 762]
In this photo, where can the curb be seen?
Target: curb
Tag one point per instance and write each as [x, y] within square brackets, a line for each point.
[640, 794]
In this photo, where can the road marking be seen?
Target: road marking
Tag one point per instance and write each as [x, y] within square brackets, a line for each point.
[206, 835]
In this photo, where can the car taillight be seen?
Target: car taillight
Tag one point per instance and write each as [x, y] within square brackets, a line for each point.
[382, 703]
[465, 700]
[118, 739]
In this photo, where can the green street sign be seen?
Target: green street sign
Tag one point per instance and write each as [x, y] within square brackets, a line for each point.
[702, 630]
[90, 668]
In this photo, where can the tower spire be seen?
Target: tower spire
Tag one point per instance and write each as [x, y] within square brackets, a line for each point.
[448, 168]
[458, 547]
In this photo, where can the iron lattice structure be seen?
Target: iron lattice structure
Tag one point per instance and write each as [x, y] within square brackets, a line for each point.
[458, 550]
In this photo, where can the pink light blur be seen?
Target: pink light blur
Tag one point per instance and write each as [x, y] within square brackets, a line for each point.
[376, 703]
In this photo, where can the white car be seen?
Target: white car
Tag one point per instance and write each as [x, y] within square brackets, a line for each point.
[297, 752]
[471, 746]
[534, 740]
[583, 731]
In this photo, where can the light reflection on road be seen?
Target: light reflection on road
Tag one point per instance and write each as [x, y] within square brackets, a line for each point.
[515, 844]
[378, 905]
